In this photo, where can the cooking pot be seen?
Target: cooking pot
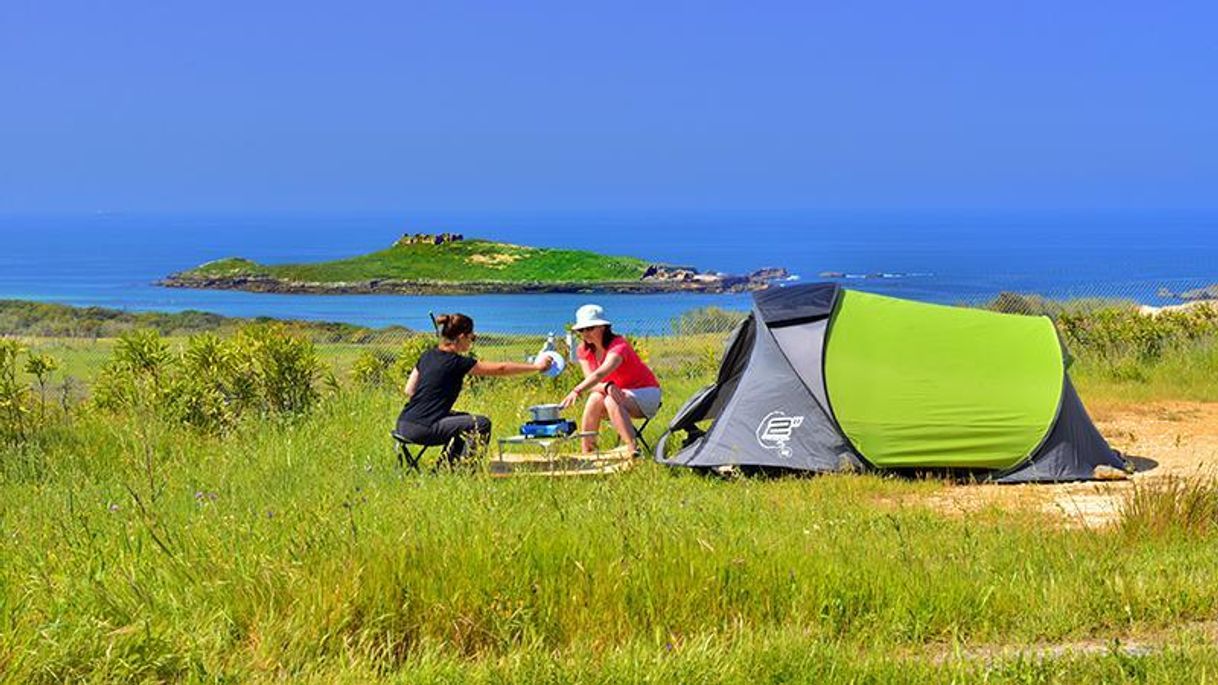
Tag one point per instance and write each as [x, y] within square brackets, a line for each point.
[545, 412]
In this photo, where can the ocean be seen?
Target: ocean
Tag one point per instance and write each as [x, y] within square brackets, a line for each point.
[114, 259]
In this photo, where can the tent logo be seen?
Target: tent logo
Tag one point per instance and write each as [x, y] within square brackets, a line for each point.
[774, 431]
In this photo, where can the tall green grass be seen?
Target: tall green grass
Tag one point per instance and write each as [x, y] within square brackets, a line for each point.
[1183, 372]
[288, 546]
[1177, 505]
[294, 547]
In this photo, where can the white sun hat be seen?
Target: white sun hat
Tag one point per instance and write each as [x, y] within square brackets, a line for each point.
[588, 316]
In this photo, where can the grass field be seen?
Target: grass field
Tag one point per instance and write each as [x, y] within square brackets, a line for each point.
[292, 548]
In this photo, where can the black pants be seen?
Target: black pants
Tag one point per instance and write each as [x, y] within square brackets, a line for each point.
[455, 431]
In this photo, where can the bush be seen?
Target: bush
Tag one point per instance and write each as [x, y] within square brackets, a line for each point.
[262, 370]
[710, 356]
[15, 397]
[136, 373]
[375, 369]
[41, 366]
[384, 369]
[22, 412]
[213, 389]
[1119, 334]
[285, 368]
[1037, 305]
[642, 348]
[408, 356]
[706, 320]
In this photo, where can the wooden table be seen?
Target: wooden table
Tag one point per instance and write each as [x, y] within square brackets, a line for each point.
[551, 447]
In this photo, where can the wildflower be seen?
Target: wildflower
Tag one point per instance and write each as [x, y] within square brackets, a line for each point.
[113, 507]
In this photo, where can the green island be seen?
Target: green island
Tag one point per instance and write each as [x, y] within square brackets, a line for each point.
[448, 263]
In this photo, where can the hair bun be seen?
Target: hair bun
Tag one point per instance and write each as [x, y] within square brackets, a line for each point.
[452, 326]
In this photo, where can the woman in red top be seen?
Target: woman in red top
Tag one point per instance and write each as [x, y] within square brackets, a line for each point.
[620, 384]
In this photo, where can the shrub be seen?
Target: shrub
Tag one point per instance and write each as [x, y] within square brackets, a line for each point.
[22, 412]
[642, 348]
[413, 348]
[15, 397]
[213, 389]
[214, 382]
[285, 368]
[706, 320]
[1118, 334]
[1016, 303]
[375, 369]
[41, 366]
[710, 356]
[1038, 305]
[135, 375]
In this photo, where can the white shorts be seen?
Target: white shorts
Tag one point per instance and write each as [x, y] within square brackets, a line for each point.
[648, 399]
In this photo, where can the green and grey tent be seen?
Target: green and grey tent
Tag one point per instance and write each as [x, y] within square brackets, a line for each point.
[820, 378]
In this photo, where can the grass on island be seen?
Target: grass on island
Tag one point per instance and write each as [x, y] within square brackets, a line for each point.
[288, 546]
[468, 261]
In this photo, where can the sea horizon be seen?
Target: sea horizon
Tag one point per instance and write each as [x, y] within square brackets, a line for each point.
[113, 259]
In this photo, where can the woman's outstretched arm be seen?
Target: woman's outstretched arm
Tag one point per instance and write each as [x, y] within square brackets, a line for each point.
[592, 377]
[510, 368]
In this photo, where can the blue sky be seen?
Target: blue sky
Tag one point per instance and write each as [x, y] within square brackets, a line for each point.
[683, 105]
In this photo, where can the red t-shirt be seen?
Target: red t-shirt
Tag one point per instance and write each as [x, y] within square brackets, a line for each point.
[631, 373]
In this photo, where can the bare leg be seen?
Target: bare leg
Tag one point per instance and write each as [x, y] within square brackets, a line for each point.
[594, 411]
[620, 408]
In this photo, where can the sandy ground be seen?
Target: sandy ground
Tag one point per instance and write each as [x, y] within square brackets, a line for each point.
[1166, 439]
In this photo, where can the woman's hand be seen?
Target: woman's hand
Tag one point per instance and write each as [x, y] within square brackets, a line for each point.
[543, 363]
[571, 398]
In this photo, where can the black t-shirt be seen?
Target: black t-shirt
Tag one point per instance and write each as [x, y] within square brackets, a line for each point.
[440, 377]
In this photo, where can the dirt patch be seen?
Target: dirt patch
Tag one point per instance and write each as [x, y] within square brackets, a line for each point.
[1138, 643]
[1163, 439]
[496, 261]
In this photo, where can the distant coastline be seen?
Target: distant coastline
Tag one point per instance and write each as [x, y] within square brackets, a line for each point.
[448, 264]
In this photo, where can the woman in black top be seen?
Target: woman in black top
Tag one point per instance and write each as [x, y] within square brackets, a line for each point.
[435, 382]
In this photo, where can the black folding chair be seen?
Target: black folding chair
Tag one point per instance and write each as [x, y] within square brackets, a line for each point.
[638, 430]
[405, 456]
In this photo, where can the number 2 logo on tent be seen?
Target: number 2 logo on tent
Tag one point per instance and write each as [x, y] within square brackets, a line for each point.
[774, 431]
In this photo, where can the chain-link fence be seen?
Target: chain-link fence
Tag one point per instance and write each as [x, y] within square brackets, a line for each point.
[1124, 337]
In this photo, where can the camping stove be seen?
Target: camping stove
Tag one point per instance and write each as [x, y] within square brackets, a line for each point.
[555, 428]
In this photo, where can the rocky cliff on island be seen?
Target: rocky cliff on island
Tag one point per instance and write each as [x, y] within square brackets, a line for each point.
[1207, 293]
